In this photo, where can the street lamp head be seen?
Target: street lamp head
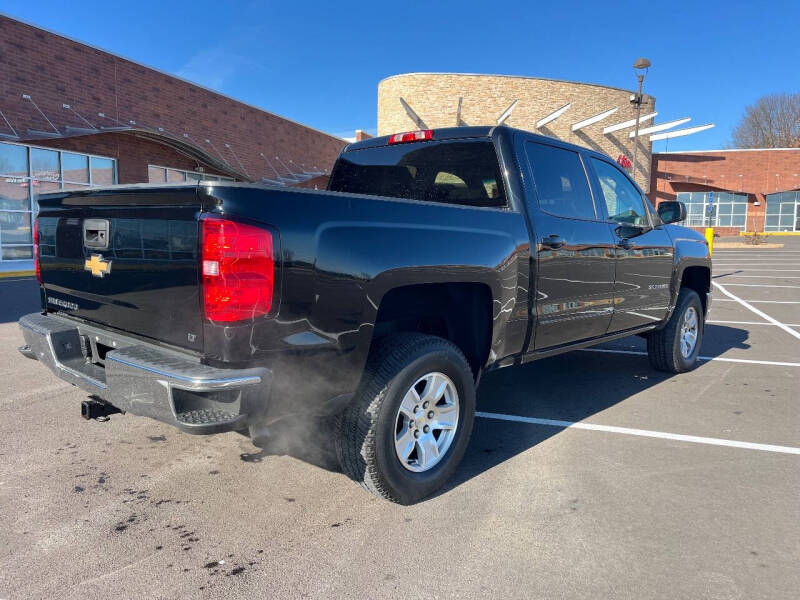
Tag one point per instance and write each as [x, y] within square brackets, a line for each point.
[641, 63]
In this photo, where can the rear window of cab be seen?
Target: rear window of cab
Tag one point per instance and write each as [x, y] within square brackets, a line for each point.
[464, 172]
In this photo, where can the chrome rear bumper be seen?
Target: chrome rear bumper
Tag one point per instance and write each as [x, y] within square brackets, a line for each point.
[146, 379]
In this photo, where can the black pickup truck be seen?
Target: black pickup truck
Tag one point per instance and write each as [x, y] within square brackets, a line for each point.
[432, 258]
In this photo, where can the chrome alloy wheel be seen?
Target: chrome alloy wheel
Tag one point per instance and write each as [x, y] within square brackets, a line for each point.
[426, 422]
[689, 330]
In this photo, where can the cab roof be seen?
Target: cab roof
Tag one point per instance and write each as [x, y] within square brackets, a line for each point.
[451, 133]
[443, 133]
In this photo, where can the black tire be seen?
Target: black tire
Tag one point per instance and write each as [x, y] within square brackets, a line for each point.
[365, 441]
[664, 345]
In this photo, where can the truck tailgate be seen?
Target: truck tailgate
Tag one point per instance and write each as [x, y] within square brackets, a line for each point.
[125, 260]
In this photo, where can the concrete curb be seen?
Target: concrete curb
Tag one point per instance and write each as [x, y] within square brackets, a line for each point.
[746, 233]
[745, 245]
[8, 274]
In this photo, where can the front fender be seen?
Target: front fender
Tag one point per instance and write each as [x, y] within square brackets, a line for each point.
[691, 250]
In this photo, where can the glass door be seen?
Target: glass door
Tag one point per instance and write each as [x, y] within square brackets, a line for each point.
[796, 215]
[711, 215]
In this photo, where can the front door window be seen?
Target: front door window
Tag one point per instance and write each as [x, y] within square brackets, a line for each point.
[623, 201]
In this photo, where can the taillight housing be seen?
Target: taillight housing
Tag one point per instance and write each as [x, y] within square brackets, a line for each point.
[36, 250]
[238, 270]
[420, 135]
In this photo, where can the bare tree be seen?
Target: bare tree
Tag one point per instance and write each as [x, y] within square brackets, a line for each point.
[772, 122]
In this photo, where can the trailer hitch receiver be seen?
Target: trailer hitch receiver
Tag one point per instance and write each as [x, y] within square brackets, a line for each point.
[98, 410]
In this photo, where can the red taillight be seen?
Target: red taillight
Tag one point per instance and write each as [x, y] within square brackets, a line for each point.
[36, 249]
[238, 269]
[411, 136]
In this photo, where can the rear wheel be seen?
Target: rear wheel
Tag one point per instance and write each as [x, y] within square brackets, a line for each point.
[675, 347]
[408, 426]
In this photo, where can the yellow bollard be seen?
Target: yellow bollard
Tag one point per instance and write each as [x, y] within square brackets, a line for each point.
[710, 239]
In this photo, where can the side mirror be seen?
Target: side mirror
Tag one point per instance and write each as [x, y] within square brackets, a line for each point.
[672, 212]
[626, 232]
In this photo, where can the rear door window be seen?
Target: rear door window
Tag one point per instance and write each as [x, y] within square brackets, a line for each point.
[463, 172]
[561, 183]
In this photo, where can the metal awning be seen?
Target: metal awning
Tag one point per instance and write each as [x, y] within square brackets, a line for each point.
[680, 132]
[661, 127]
[181, 145]
[594, 119]
[553, 115]
[630, 123]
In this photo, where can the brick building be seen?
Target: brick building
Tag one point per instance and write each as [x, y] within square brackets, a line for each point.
[596, 116]
[74, 116]
[753, 190]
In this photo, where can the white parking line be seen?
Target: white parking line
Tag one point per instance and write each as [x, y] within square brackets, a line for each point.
[736, 275]
[760, 301]
[678, 437]
[761, 314]
[795, 287]
[713, 358]
[767, 270]
[751, 323]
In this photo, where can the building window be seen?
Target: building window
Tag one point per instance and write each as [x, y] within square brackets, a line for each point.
[75, 167]
[156, 174]
[783, 212]
[727, 209]
[26, 171]
[102, 172]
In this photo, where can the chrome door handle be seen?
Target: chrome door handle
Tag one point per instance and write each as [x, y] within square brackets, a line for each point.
[625, 244]
[553, 241]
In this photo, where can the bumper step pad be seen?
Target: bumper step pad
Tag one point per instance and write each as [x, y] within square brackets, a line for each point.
[206, 416]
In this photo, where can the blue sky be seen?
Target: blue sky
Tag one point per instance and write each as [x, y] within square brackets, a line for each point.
[320, 62]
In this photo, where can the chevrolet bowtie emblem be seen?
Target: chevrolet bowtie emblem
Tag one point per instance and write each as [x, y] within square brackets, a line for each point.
[97, 265]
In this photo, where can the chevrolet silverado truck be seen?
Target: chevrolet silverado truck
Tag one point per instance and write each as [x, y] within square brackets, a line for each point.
[433, 257]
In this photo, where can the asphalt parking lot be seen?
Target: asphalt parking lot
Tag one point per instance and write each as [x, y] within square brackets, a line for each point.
[589, 475]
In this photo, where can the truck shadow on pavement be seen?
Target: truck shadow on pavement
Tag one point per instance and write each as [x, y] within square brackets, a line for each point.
[718, 339]
[571, 387]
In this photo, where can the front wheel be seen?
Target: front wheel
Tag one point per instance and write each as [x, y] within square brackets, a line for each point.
[675, 347]
[407, 428]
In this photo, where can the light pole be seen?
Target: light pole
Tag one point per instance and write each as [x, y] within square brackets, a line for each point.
[640, 67]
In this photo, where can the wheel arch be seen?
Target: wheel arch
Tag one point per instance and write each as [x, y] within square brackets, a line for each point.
[697, 278]
[459, 312]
